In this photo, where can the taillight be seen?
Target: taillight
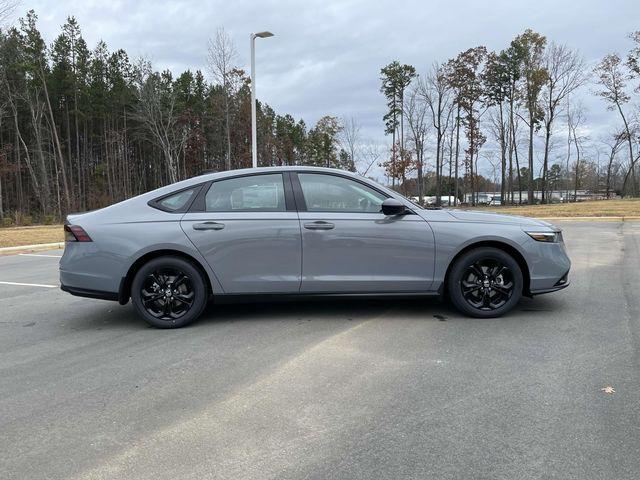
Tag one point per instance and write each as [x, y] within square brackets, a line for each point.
[75, 233]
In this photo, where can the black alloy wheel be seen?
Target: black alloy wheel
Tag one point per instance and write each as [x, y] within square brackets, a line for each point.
[485, 282]
[169, 292]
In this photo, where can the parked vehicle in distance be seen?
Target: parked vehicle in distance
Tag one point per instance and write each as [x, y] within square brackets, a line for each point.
[445, 200]
[298, 232]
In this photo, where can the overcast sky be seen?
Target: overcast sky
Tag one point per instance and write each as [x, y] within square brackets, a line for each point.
[326, 55]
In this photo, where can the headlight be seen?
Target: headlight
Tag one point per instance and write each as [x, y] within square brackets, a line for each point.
[548, 237]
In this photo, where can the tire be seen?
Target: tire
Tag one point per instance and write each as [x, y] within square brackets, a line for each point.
[169, 292]
[485, 282]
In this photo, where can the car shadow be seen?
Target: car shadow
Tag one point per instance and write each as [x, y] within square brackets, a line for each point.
[335, 309]
[113, 316]
[351, 309]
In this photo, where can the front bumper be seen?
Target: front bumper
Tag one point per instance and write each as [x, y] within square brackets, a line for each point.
[549, 266]
[559, 285]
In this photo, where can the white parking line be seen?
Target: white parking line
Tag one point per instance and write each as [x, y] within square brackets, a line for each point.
[29, 284]
[39, 255]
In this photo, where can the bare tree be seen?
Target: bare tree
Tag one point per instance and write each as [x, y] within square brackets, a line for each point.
[499, 127]
[56, 140]
[349, 139]
[436, 91]
[38, 173]
[156, 111]
[497, 82]
[495, 163]
[611, 78]
[613, 147]
[565, 73]
[7, 7]
[36, 110]
[416, 111]
[457, 154]
[221, 57]
[575, 121]
[449, 144]
[515, 139]
[372, 152]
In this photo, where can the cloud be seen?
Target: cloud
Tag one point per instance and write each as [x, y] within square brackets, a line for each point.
[326, 56]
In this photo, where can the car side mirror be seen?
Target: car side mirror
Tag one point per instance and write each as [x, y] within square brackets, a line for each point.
[391, 206]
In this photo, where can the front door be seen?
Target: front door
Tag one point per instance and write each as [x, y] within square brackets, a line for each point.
[249, 234]
[350, 246]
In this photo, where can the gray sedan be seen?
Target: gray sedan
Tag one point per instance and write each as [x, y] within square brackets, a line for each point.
[302, 232]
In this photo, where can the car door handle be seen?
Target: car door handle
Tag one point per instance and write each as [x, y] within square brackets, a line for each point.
[208, 226]
[319, 225]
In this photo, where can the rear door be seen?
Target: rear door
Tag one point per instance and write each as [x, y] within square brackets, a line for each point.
[248, 230]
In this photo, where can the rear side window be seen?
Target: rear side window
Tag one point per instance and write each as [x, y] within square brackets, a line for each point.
[176, 202]
[255, 193]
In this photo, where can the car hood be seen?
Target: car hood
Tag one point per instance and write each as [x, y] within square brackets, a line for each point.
[491, 217]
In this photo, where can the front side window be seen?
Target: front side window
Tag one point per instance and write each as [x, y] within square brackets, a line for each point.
[255, 193]
[331, 193]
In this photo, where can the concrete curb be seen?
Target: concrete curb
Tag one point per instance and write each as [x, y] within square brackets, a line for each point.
[30, 248]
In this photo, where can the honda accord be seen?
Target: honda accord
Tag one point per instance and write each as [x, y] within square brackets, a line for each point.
[302, 232]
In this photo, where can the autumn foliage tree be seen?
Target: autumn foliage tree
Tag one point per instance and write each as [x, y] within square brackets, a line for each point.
[531, 46]
[465, 75]
[395, 79]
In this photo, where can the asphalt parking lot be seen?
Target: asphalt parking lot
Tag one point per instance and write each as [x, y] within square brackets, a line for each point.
[328, 390]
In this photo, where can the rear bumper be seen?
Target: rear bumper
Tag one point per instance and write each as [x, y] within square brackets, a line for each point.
[84, 292]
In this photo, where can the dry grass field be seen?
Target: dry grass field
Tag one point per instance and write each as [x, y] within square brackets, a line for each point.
[602, 208]
[15, 236]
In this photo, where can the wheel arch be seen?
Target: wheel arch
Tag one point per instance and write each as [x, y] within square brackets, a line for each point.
[124, 292]
[505, 247]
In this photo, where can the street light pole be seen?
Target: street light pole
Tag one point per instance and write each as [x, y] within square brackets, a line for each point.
[254, 133]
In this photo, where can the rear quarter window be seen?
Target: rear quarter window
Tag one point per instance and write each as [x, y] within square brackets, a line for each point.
[175, 202]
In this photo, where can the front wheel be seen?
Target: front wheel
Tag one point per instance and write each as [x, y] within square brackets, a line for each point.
[485, 282]
[169, 292]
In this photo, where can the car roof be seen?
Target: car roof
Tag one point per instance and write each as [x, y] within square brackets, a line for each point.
[287, 168]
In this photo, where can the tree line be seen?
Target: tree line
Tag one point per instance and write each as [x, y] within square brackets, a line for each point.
[522, 102]
[81, 128]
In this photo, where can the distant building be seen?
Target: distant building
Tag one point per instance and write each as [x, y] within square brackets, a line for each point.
[556, 196]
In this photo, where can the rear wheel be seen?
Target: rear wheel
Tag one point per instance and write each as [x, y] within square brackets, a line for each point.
[485, 282]
[169, 292]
